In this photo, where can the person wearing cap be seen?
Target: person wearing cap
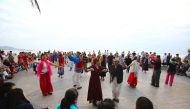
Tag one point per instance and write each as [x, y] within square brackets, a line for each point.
[78, 69]
[134, 67]
[171, 72]
[116, 72]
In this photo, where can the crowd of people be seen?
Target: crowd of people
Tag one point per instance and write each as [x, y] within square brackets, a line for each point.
[12, 97]
[11, 63]
[96, 64]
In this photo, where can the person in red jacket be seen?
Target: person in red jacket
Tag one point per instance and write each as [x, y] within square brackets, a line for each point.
[61, 63]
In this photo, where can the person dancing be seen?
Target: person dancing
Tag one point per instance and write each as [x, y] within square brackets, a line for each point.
[44, 73]
[94, 89]
[134, 67]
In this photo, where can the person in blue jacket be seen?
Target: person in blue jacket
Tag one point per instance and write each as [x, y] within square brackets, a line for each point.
[78, 69]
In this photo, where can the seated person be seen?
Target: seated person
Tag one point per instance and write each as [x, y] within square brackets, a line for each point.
[188, 72]
[4, 73]
[70, 100]
[17, 100]
[183, 68]
[4, 89]
[144, 103]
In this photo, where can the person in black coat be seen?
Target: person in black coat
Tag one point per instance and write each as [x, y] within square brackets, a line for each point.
[128, 61]
[171, 72]
[117, 78]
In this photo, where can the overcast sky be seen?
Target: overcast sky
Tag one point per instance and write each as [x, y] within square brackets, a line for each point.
[117, 25]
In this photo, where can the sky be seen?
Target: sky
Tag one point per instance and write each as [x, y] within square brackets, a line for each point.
[86, 25]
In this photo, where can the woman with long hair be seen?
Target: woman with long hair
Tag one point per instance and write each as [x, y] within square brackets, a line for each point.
[70, 100]
[94, 89]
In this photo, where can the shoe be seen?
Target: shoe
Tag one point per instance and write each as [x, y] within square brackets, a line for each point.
[44, 95]
[156, 85]
[79, 87]
[50, 93]
[94, 103]
[116, 100]
[152, 85]
[74, 85]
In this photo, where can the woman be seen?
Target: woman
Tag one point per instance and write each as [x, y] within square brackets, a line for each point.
[134, 67]
[94, 89]
[171, 72]
[61, 63]
[103, 64]
[17, 100]
[44, 72]
[157, 71]
[145, 63]
[70, 100]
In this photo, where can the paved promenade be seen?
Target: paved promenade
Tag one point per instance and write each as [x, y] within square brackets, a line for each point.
[164, 97]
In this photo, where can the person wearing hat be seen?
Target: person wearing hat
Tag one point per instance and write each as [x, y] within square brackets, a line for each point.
[171, 72]
[78, 69]
[116, 72]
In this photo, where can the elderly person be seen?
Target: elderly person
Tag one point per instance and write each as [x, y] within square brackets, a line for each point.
[116, 72]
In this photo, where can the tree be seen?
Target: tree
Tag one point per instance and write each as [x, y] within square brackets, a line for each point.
[189, 51]
[35, 3]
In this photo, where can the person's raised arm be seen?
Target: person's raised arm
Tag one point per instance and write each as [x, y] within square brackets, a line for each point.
[56, 65]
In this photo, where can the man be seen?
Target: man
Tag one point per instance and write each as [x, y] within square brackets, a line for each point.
[128, 61]
[78, 69]
[110, 62]
[116, 78]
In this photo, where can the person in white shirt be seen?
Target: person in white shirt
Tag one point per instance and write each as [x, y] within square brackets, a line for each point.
[133, 76]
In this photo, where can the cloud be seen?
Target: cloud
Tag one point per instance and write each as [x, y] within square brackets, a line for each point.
[101, 24]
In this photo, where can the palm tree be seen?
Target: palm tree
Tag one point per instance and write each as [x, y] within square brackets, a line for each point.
[35, 3]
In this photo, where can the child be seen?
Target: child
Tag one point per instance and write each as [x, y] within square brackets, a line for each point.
[61, 63]
[144, 103]
[171, 72]
[70, 100]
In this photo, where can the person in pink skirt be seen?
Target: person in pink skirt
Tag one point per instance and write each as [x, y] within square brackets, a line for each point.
[171, 72]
